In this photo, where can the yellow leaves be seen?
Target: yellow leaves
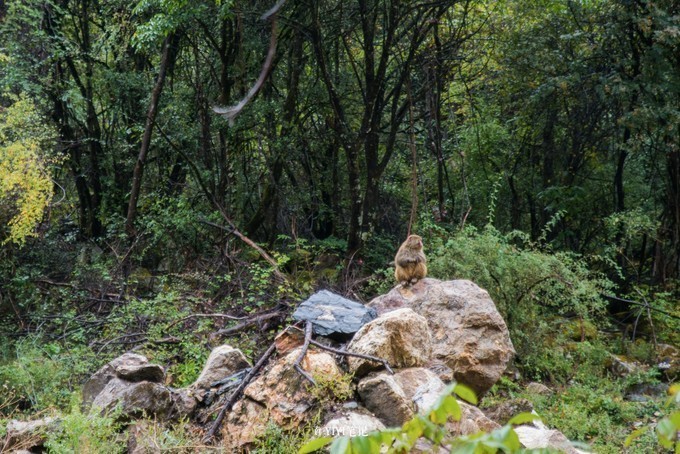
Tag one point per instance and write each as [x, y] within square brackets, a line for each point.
[25, 186]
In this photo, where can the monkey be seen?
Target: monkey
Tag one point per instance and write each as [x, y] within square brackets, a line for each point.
[410, 261]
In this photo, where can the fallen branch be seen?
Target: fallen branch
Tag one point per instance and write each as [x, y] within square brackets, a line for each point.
[303, 352]
[118, 340]
[357, 355]
[224, 385]
[233, 230]
[237, 392]
[248, 323]
[164, 340]
[188, 317]
[58, 284]
[637, 303]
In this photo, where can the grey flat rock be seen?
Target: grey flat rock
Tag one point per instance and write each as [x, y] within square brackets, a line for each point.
[333, 315]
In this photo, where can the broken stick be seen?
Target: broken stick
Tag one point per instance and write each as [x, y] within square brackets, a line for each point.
[237, 392]
[305, 347]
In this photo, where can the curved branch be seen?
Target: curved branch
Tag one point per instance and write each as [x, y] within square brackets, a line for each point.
[231, 112]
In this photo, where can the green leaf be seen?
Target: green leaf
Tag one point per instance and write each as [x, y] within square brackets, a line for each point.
[635, 434]
[452, 408]
[666, 428]
[465, 393]
[448, 406]
[523, 418]
[675, 419]
[502, 433]
[315, 445]
[413, 428]
[364, 445]
[512, 441]
[341, 446]
[387, 436]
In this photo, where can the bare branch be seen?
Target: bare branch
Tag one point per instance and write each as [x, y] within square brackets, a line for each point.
[237, 392]
[248, 323]
[358, 355]
[303, 352]
[231, 112]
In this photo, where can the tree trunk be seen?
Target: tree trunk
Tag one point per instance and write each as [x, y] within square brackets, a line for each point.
[146, 139]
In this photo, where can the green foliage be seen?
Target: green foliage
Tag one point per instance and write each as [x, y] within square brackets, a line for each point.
[167, 16]
[560, 126]
[600, 401]
[666, 329]
[276, 440]
[85, 433]
[157, 319]
[177, 436]
[37, 375]
[667, 430]
[171, 230]
[431, 427]
[528, 285]
[333, 388]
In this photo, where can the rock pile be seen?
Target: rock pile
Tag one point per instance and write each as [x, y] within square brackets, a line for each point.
[430, 334]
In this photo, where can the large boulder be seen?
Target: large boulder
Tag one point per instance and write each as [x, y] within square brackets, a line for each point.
[422, 386]
[244, 424]
[669, 357]
[384, 397]
[395, 399]
[468, 333]
[289, 339]
[472, 421]
[129, 366]
[505, 411]
[222, 362]
[539, 389]
[135, 387]
[135, 399]
[27, 435]
[538, 436]
[285, 392]
[400, 337]
[332, 315]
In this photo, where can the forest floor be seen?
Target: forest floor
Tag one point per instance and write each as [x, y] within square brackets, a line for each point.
[62, 323]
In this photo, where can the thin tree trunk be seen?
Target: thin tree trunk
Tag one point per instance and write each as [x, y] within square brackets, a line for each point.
[146, 139]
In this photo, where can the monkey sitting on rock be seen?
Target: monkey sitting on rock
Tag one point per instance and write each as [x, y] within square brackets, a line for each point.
[410, 261]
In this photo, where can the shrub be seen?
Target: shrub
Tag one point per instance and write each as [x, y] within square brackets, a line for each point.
[85, 433]
[42, 376]
[529, 286]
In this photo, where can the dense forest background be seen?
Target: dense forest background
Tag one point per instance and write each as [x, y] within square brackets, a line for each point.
[534, 145]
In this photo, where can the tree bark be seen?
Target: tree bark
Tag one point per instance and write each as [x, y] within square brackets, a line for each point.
[138, 171]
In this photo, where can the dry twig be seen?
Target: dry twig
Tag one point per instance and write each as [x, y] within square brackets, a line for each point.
[237, 392]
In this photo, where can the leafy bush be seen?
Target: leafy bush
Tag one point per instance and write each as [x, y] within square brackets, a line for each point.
[42, 376]
[604, 409]
[80, 433]
[667, 430]
[328, 387]
[529, 286]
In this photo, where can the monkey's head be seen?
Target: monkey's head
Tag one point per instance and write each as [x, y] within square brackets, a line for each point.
[414, 242]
